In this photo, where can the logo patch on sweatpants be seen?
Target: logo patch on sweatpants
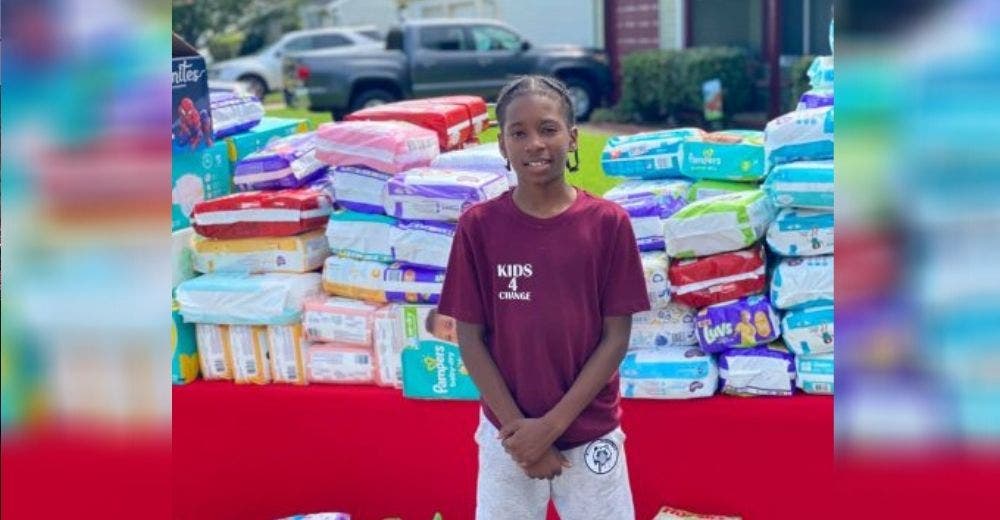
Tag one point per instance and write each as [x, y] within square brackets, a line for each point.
[601, 456]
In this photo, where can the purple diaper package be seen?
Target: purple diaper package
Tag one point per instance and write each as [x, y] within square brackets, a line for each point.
[761, 370]
[233, 114]
[815, 99]
[288, 162]
[648, 202]
[359, 188]
[438, 194]
[744, 322]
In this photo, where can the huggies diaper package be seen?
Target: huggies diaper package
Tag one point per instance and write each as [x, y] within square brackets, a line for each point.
[362, 236]
[295, 254]
[669, 325]
[761, 370]
[647, 155]
[718, 224]
[801, 232]
[729, 155]
[809, 331]
[800, 282]
[668, 373]
[745, 322]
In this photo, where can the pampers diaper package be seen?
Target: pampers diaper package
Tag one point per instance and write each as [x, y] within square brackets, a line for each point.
[705, 189]
[381, 283]
[761, 370]
[362, 236]
[654, 266]
[359, 189]
[386, 146]
[433, 369]
[296, 254]
[718, 224]
[668, 373]
[229, 298]
[821, 73]
[809, 331]
[814, 374]
[803, 184]
[745, 322]
[707, 280]
[435, 194]
[730, 155]
[801, 232]
[801, 282]
[669, 325]
[647, 155]
[802, 135]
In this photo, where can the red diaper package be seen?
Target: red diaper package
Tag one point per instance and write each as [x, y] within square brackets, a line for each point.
[262, 213]
[450, 121]
[475, 105]
[700, 282]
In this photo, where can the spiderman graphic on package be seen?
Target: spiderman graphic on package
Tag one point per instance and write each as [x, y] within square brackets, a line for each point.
[191, 126]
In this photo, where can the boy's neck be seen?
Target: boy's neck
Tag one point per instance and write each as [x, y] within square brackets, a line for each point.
[544, 200]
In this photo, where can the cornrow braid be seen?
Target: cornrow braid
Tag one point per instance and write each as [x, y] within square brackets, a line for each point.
[535, 84]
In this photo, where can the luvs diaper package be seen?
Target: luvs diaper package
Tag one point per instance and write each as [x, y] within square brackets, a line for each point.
[668, 325]
[761, 370]
[442, 195]
[381, 283]
[296, 254]
[668, 373]
[803, 184]
[801, 232]
[647, 155]
[801, 282]
[654, 266]
[386, 146]
[362, 236]
[730, 155]
[718, 224]
[802, 135]
[809, 331]
[707, 280]
[745, 322]
[814, 374]
[247, 299]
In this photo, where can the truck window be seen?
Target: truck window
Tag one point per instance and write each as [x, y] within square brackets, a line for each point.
[322, 41]
[443, 39]
[301, 43]
[491, 38]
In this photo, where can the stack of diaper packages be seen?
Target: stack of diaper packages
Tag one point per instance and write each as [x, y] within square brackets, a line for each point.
[800, 183]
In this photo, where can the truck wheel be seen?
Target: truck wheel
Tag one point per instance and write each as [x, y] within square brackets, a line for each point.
[371, 98]
[254, 85]
[582, 94]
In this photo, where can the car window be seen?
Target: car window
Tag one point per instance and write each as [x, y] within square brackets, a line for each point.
[443, 39]
[322, 41]
[490, 38]
[373, 34]
[298, 44]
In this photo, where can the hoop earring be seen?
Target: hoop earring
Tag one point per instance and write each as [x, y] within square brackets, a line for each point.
[576, 158]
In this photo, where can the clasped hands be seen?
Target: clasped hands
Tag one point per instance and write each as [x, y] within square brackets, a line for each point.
[529, 443]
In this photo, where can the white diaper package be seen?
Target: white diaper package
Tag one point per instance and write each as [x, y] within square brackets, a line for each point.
[340, 320]
[668, 373]
[800, 282]
[426, 244]
[250, 349]
[760, 370]
[388, 339]
[484, 158]
[802, 135]
[654, 265]
[802, 184]
[358, 188]
[362, 236]
[287, 352]
[801, 232]
[809, 331]
[381, 283]
[180, 256]
[213, 351]
[669, 325]
[814, 374]
[247, 299]
[439, 195]
[705, 188]
[294, 254]
[718, 224]
[335, 363]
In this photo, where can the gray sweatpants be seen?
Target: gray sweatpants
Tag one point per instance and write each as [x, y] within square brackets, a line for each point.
[596, 486]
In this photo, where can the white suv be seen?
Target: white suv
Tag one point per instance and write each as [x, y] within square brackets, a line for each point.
[261, 72]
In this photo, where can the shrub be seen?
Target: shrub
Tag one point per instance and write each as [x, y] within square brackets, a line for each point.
[798, 75]
[226, 45]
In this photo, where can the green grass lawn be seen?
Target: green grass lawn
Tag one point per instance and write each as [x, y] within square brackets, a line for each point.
[590, 177]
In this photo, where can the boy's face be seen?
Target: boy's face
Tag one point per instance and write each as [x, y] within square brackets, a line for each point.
[535, 138]
[443, 328]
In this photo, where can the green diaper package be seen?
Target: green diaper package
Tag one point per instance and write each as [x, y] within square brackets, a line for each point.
[718, 224]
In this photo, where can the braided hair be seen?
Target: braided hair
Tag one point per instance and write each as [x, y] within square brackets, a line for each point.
[535, 84]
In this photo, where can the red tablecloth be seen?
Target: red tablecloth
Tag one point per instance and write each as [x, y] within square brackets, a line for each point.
[245, 452]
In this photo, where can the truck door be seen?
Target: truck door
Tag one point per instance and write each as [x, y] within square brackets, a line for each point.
[501, 55]
[443, 62]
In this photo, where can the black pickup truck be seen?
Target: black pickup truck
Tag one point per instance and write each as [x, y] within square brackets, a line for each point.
[425, 58]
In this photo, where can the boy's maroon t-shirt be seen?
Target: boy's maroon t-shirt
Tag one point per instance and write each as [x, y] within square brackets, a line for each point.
[541, 288]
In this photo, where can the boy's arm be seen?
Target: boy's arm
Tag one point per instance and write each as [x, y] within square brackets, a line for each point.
[485, 374]
[527, 439]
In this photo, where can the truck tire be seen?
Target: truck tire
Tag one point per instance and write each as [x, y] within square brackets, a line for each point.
[583, 96]
[254, 85]
[371, 97]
